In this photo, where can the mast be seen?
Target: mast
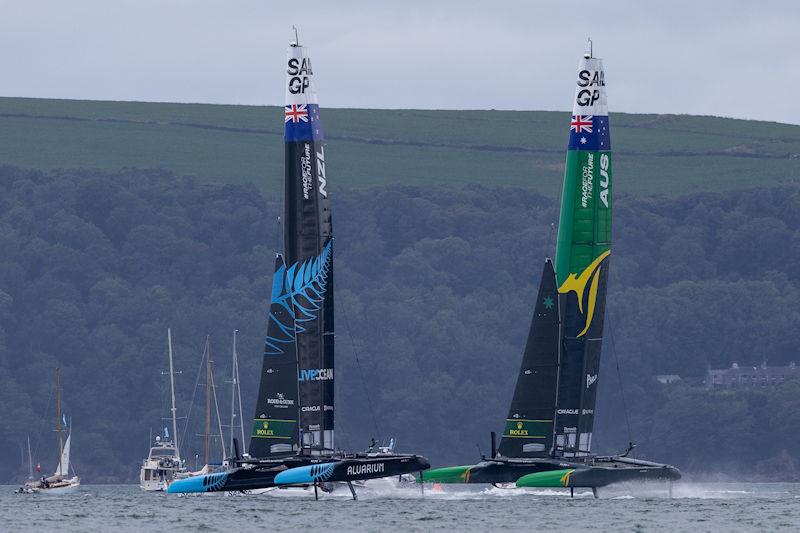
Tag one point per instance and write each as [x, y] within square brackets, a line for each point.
[172, 392]
[234, 382]
[238, 388]
[582, 258]
[236, 392]
[295, 405]
[208, 398]
[30, 459]
[307, 245]
[59, 441]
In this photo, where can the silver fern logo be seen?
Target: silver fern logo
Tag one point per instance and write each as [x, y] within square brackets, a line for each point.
[298, 293]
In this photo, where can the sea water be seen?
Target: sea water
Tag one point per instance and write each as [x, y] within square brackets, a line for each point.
[692, 507]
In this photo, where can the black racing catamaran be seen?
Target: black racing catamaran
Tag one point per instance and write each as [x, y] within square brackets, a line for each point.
[548, 433]
[292, 440]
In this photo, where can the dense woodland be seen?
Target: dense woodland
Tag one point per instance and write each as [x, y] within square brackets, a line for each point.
[434, 291]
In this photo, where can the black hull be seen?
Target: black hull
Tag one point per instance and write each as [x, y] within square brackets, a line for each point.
[354, 468]
[254, 475]
[302, 470]
[591, 472]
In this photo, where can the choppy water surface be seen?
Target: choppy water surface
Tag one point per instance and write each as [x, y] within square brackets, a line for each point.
[694, 506]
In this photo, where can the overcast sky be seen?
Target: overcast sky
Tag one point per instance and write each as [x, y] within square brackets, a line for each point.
[731, 58]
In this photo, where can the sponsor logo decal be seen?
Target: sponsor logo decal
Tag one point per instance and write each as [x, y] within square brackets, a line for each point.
[316, 374]
[300, 74]
[315, 408]
[280, 401]
[519, 431]
[587, 180]
[273, 428]
[367, 468]
[590, 380]
[580, 285]
[305, 169]
[574, 412]
[565, 478]
[264, 430]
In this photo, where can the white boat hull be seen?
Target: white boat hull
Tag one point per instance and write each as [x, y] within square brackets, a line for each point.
[73, 486]
[65, 486]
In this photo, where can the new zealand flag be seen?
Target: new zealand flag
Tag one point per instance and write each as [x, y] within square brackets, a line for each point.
[302, 123]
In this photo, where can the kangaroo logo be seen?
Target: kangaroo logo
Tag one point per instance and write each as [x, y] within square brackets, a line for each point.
[578, 285]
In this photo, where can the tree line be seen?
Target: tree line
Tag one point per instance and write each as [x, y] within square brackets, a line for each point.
[435, 288]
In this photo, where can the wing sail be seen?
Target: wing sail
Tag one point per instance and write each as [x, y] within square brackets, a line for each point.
[582, 259]
[529, 426]
[308, 249]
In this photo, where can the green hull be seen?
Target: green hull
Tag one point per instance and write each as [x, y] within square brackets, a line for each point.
[450, 474]
[553, 478]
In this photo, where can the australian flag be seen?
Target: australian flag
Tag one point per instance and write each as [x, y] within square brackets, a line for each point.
[302, 123]
[589, 132]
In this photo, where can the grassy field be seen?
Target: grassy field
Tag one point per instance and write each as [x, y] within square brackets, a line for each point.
[654, 154]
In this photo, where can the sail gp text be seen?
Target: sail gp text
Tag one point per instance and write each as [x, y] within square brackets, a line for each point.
[300, 75]
[586, 96]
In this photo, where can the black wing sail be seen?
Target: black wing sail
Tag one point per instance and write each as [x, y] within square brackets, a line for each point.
[580, 365]
[275, 430]
[308, 250]
[529, 426]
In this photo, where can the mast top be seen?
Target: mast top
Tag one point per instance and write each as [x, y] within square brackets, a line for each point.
[589, 53]
[296, 41]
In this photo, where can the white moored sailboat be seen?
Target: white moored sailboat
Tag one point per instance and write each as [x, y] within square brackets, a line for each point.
[60, 481]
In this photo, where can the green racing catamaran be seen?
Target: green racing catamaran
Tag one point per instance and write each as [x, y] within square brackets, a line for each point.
[548, 432]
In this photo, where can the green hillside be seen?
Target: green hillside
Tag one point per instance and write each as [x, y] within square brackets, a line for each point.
[655, 154]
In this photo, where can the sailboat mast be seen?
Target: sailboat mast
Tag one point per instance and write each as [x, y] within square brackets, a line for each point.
[30, 459]
[238, 386]
[219, 418]
[208, 398]
[59, 441]
[234, 378]
[172, 392]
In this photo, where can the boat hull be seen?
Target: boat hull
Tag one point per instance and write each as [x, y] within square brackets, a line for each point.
[594, 472]
[57, 488]
[257, 475]
[264, 474]
[353, 469]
